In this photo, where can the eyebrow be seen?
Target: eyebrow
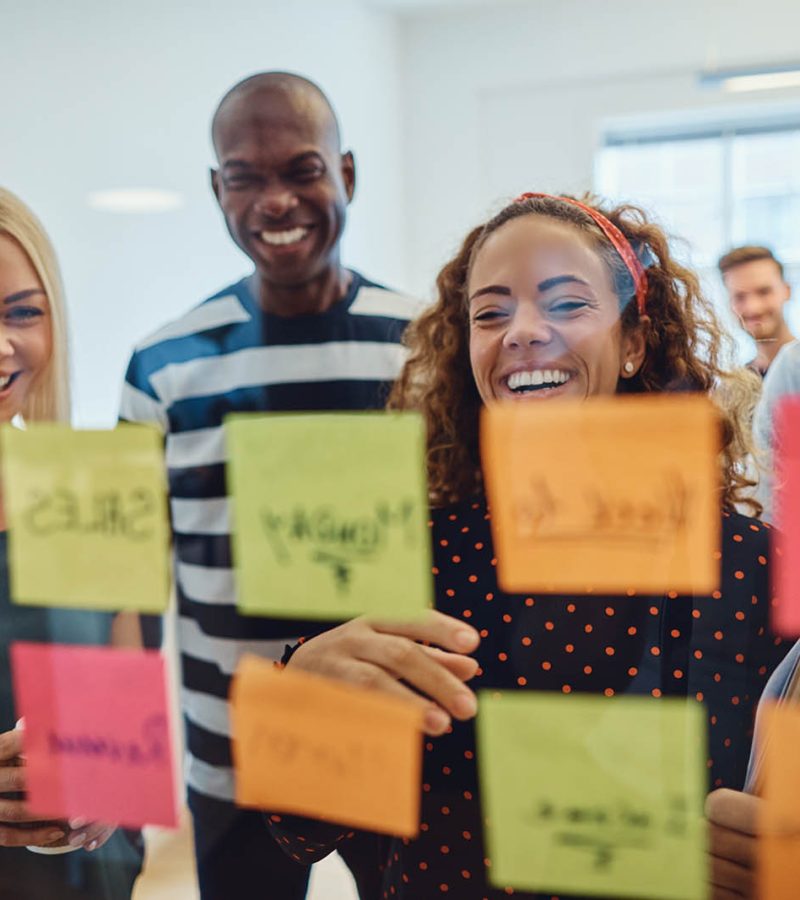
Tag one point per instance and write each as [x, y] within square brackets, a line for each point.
[23, 295]
[545, 285]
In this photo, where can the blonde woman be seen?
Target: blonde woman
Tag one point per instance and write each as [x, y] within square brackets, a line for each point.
[34, 386]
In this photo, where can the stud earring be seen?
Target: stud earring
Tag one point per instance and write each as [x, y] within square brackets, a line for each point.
[629, 367]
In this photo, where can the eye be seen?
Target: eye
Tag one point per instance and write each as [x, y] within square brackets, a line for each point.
[489, 315]
[306, 174]
[239, 182]
[23, 313]
[567, 306]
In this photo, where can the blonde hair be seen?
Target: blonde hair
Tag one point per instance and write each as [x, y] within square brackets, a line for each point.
[48, 399]
[736, 393]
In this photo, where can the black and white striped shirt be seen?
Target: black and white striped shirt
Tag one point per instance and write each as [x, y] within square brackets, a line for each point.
[224, 356]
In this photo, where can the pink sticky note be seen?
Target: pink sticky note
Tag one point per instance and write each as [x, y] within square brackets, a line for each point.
[786, 606]
[97, 734]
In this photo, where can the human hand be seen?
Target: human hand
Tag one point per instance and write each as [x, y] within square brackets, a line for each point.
[733, 836]
[19, 827]
[379, 653]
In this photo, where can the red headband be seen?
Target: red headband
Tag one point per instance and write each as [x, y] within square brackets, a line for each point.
[617, 238]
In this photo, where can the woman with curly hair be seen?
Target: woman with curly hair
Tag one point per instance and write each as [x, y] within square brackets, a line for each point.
[552, 298]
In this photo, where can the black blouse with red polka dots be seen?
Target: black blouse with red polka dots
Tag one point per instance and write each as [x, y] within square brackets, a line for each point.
[717, 649]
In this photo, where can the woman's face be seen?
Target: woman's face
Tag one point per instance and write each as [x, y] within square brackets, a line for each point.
[25, 329]
[543, 316]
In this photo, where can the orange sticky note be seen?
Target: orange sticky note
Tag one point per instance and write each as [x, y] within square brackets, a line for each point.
[97, 736]
[307, 745]
[786, 608]
[608, 494]
[779, 848]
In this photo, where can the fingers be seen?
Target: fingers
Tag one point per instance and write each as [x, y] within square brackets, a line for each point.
[408, 661]
[435, 722]
[12, 778]
[10, 744]
[721, 893]
[463, 667]
[30, 837]
[434, 627]
[379, 653]
[733, 809]
[13, 811]
[732, 845]
[729, 876]
[89, 835]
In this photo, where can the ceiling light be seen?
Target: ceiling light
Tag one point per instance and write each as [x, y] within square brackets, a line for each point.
[757, 78]
[135, 200]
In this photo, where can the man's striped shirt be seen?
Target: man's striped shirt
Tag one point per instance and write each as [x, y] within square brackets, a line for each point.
[228, 356]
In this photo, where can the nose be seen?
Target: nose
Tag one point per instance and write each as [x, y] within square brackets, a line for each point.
[6, 343]
[275, 201]
[528, 326]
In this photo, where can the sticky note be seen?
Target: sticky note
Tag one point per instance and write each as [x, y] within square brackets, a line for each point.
[593, 795]
[609, 494]
[87, 517]
[786, 539]
[311, 746]
[97, 734]
[778, 862]
[329, 514]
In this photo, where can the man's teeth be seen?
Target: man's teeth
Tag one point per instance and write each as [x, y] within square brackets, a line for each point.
[281, 238]
[537, 378]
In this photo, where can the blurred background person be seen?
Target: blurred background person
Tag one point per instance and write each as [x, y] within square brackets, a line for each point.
[758, 293]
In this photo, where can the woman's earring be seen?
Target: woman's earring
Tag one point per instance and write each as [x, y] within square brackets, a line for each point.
[629, 367]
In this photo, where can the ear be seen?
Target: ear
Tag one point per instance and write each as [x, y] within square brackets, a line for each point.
[349, 174]
[634, 348]
[214, 176]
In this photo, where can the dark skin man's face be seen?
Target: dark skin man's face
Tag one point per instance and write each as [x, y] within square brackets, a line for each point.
[283, 186]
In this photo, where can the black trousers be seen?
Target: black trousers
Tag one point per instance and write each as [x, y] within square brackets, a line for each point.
[238, 857]
[105, 874]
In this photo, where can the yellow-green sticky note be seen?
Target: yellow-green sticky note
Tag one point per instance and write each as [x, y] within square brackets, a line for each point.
[87, 517]
[593, 795]
[329, 514]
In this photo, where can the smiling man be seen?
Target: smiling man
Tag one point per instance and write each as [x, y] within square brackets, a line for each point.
[300, 333]
[758, 294]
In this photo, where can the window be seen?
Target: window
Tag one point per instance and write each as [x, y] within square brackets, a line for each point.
[713, 188]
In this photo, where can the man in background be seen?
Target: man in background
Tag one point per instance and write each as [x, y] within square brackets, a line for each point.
[758, 294]
[300, 333]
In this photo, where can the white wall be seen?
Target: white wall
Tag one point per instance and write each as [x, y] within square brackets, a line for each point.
[504, 99]
[99, 95]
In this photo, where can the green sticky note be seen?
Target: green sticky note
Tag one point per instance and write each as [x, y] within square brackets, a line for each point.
[593, 795]
[87, 517]
[329, 514]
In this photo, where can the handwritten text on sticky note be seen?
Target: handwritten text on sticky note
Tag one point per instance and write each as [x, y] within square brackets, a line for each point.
[87, 517]
[609, 494]
[786, 609]
[591, 795]
[310, 746]
[329, 514]
[97, 736]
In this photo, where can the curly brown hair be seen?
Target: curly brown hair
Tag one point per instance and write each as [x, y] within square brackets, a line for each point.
[684, 345]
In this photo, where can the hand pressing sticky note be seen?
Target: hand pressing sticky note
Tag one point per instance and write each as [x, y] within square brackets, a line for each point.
[778, 863]
[608, 495]
[97, 735]
[786, 608]
[593, 796]
[87, 517]
[315, 747]
[329, 515]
